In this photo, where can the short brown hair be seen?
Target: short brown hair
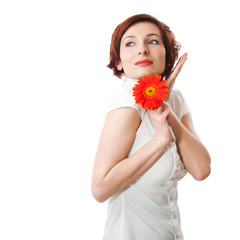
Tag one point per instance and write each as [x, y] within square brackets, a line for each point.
[171, 45]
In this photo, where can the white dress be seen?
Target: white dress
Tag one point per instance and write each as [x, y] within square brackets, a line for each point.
[148, 209]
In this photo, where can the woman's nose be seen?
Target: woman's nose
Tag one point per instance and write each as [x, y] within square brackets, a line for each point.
[143, 50]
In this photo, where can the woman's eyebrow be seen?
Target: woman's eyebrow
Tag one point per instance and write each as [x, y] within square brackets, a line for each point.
[148, 35]
[153, 34]
[131, 36]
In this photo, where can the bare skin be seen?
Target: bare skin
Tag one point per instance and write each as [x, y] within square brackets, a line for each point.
[113, 169]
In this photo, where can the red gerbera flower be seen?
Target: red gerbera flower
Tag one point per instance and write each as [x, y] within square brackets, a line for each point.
[150, 91]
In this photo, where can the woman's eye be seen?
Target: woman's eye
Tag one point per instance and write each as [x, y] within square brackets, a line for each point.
[153, 42]
[129, 44]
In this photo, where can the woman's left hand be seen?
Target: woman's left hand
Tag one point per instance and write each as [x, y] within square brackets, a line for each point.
[173, 75]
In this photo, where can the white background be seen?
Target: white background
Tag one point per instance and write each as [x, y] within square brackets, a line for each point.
[55, 87]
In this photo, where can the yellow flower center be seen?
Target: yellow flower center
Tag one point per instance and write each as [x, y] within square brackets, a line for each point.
[150, 91]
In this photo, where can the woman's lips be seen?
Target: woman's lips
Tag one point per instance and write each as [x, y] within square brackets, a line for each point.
[144, 62]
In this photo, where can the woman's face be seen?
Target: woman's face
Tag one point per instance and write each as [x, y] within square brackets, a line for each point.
[142, 50]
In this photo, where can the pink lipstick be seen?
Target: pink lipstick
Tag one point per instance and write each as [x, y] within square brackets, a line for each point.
[144, 62]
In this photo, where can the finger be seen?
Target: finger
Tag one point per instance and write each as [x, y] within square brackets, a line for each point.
[165, 107]
[158, 111]
[180, 62]
[178, 66]
[171, 84]
[176, 70]
[182, 59]
[166, 113]
[172, 78]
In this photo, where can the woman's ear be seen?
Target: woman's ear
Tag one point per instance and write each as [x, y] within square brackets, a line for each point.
[119, 66]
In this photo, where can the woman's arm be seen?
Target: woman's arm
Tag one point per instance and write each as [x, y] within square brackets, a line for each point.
[113, 171]
[194, 155]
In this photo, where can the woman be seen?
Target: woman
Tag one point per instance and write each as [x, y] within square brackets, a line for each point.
[143, 153]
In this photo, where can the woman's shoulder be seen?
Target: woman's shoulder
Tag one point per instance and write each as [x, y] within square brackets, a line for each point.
[177, 96]
[178, 103]
[176, 93]
[123, 97]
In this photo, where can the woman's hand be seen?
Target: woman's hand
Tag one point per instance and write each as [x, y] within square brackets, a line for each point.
[173, 75]
[159, 119]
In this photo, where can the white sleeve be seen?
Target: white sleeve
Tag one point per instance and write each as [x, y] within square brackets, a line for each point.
[124, 98]
[184, 106]
[178, 103]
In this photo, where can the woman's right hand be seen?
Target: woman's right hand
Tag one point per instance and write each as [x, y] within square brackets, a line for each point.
[159, 121]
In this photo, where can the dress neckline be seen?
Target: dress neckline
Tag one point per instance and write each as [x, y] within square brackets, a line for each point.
[130, 80]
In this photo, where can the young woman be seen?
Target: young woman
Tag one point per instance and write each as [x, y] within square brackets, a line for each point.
[143, 153]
